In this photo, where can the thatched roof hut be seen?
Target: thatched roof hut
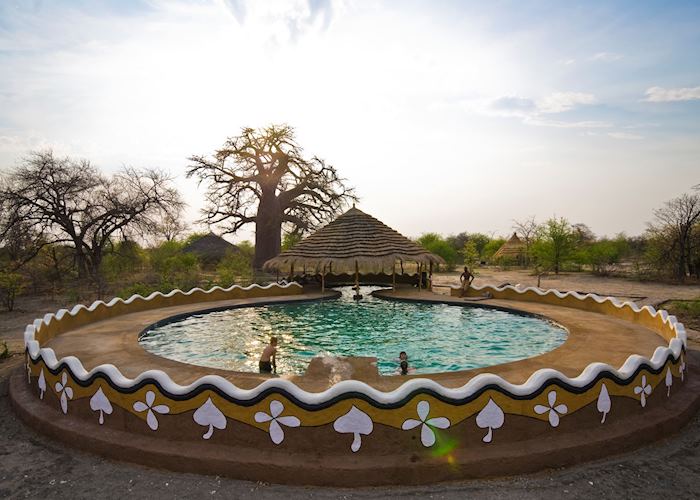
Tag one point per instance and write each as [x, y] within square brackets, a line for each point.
[354, 241]
[511, 250]
[210, 249]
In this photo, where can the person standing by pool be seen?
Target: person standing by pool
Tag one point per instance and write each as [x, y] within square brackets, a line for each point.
[268, 358]
[465, 279]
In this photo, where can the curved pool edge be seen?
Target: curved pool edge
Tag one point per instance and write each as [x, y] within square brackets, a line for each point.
[413, 420]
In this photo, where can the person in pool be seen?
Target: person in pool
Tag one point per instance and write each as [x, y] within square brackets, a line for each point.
[268, 358]
[403, 363]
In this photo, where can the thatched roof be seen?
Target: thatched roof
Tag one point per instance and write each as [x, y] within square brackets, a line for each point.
[210, 248]
[513, 248]
[353, 237]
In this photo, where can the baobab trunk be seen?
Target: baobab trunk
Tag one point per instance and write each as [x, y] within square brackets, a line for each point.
[268, 228]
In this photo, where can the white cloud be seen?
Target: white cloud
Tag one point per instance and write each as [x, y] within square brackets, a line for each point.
[559, 102]
[660, 94]
[535, 112]
[606, 57]
[625, 136]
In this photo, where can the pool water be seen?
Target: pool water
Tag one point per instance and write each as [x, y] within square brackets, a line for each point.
[436, 337]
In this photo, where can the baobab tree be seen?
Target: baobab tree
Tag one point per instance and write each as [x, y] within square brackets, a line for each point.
[261, 177]
[70, 201]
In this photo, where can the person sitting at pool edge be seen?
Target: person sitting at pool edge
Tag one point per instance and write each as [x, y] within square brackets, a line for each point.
[465, 279]
[268, 359]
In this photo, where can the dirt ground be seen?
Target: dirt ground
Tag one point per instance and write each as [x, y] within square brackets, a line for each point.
[34, 466]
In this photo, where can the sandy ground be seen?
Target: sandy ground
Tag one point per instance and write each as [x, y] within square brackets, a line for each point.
[34, 466]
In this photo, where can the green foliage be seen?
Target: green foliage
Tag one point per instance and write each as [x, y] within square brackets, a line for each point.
[492, 247]
[601, 255]
[288, 240]
[126, 258]
[11, 285]
[236, 267]
[137, 288]
[480, 241]
[173, 267]
[436, 244]
[4, 350]
[470, 254]
[555, 245]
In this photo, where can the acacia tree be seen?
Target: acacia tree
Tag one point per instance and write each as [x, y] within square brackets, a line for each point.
[676, 226]
[261, 177]
[70, 201]
[555, 244]
[527, 229]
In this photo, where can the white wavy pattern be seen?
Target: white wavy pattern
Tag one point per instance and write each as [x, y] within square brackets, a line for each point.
[535, 382]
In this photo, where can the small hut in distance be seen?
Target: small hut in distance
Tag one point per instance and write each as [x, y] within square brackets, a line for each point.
[511, 252]
[210, 249]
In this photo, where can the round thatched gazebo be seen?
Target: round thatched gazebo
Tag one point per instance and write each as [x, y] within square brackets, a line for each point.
[354, 241]
[513, 249]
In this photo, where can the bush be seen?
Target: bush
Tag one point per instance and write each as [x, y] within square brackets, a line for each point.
[436, 244]
[137, 289]
[235, 267]
[11, 285]
[4, 350]
[174, 268]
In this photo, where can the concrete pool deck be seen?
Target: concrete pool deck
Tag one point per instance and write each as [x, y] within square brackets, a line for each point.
[593, 337]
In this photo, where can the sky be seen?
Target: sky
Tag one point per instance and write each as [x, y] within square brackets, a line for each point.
[445, 116]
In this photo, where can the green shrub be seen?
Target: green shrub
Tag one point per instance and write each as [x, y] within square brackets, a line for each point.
[11, 285]
[236, 267]
[4, 350]
[436, 244]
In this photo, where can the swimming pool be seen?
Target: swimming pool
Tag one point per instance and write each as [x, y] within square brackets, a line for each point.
[436, 337]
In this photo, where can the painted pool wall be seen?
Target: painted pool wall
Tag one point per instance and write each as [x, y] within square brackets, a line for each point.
[421, 422]
[646, 316]
[81, 315]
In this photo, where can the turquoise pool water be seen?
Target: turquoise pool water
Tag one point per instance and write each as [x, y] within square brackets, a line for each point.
[437, 337]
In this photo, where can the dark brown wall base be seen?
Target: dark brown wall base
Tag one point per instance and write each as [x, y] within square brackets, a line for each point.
[281, 465]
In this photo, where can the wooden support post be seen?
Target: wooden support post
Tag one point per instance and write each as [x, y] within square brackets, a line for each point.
[420, 276]
[393, 277]
[278, 275]
[357, 277]
[430, 277]
[323, 280]
[291, 273]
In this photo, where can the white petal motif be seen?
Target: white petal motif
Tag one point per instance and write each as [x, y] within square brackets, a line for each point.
[140, 406]
[561, 409]
[410, 423]
[439, 422]
[152, 420]
[162, 409]
[289, 421]
[552, 398]
[64, 403]
[69, 392]
[150, 398]
[540, 409]
[276, 432]
[427, 436]
[423, 410]
[261, 417]
[553, 418]
[276, 408]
